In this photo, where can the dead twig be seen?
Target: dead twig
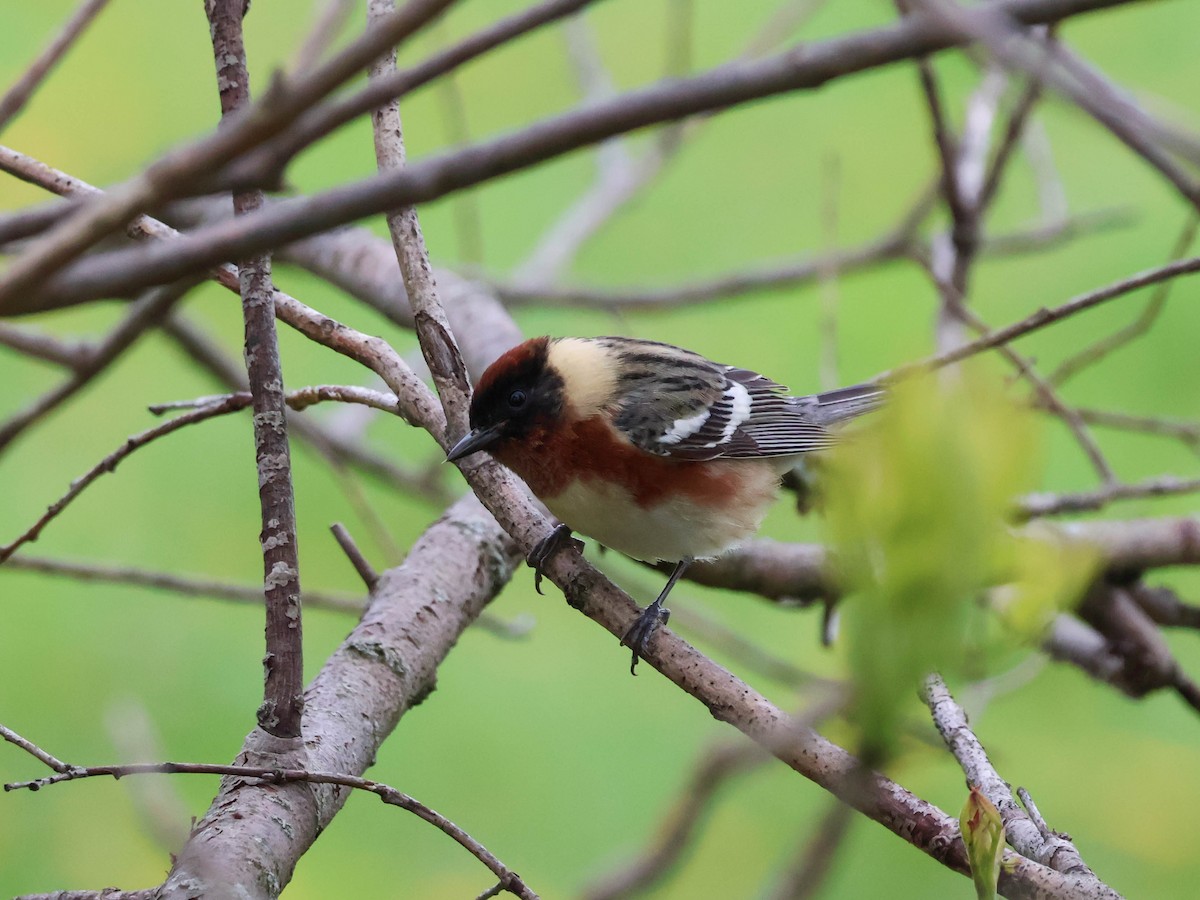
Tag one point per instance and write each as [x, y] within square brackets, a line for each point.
[191, 586]
[263, 775]
[1034, 506]
[18, 95]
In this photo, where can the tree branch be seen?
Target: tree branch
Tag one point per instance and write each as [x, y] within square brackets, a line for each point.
[253, 836]
[18, 95]
[283, 665]
[144, 314]
[175, 173]
[169, 581]
[1054, 851]
[429, 318]
[1043, 317]
[805, 68]
[262, 776]
[209, 407]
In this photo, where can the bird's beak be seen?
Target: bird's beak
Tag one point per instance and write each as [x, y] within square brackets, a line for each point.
[474, 441]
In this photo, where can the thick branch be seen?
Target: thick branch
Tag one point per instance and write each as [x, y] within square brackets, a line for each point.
[253, 836]
[731, 700]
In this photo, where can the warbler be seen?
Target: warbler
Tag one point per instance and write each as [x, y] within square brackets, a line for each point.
[650, 449]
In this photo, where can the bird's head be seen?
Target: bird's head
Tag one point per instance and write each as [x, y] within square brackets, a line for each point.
[519, 392]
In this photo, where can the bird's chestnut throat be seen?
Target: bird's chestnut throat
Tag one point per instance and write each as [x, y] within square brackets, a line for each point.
[549, 459]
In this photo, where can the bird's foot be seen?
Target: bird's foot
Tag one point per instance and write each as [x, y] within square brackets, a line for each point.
[643, 629]
[546, 548]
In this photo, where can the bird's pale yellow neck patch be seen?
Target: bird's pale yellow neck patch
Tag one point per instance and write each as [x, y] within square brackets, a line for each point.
[588, 371]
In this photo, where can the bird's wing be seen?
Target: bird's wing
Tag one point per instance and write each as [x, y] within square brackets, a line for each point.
[717, 412]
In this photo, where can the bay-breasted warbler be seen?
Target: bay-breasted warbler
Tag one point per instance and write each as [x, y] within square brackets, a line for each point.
[650, 449]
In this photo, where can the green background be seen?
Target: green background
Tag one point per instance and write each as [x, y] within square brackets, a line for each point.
[545, 749]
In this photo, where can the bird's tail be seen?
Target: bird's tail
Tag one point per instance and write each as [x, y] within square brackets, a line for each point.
[848, 402]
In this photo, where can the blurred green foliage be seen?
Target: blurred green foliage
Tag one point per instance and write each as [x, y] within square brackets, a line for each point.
[546, 749]
[919, 502]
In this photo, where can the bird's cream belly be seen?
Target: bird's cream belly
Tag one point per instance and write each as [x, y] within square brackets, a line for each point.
[676, 528]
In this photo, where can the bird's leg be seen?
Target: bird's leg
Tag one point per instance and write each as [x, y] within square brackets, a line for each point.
[644, 626]
[545, 548]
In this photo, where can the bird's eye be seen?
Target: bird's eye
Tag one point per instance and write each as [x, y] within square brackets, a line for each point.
[517, 399]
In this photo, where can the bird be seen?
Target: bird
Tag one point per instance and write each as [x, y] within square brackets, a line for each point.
[650, 449]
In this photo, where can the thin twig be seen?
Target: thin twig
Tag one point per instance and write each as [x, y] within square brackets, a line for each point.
[18, 95]
[283, 684]
[619, 175]
[1049, 399]
[1056, 230]
[109, 463]
[1052, 196]
[218, 406]
[737, 284]
[900, 243]
[1013, 132]
[1048, 316]
[329, 23]
[1034, 506]
[42, 346]
[157, 804]
[1187, 432]
[364, 569]
[1081, 84]
[943, 137]
[265, 163]
[339, 449]
[143, 315]
[267, 776]
[681, 824]
[1089, 356]
[416, 403]
[433, 328]
[814, 861]
[621, 178]
[679, 828]
[352, 489]
[1054, 850]
[34, 750]
[192, 586]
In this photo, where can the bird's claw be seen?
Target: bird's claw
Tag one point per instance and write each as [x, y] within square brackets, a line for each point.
[546, 548]
[643, 629]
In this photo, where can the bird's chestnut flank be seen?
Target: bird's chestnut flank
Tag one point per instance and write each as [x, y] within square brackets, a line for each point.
[648, 448]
